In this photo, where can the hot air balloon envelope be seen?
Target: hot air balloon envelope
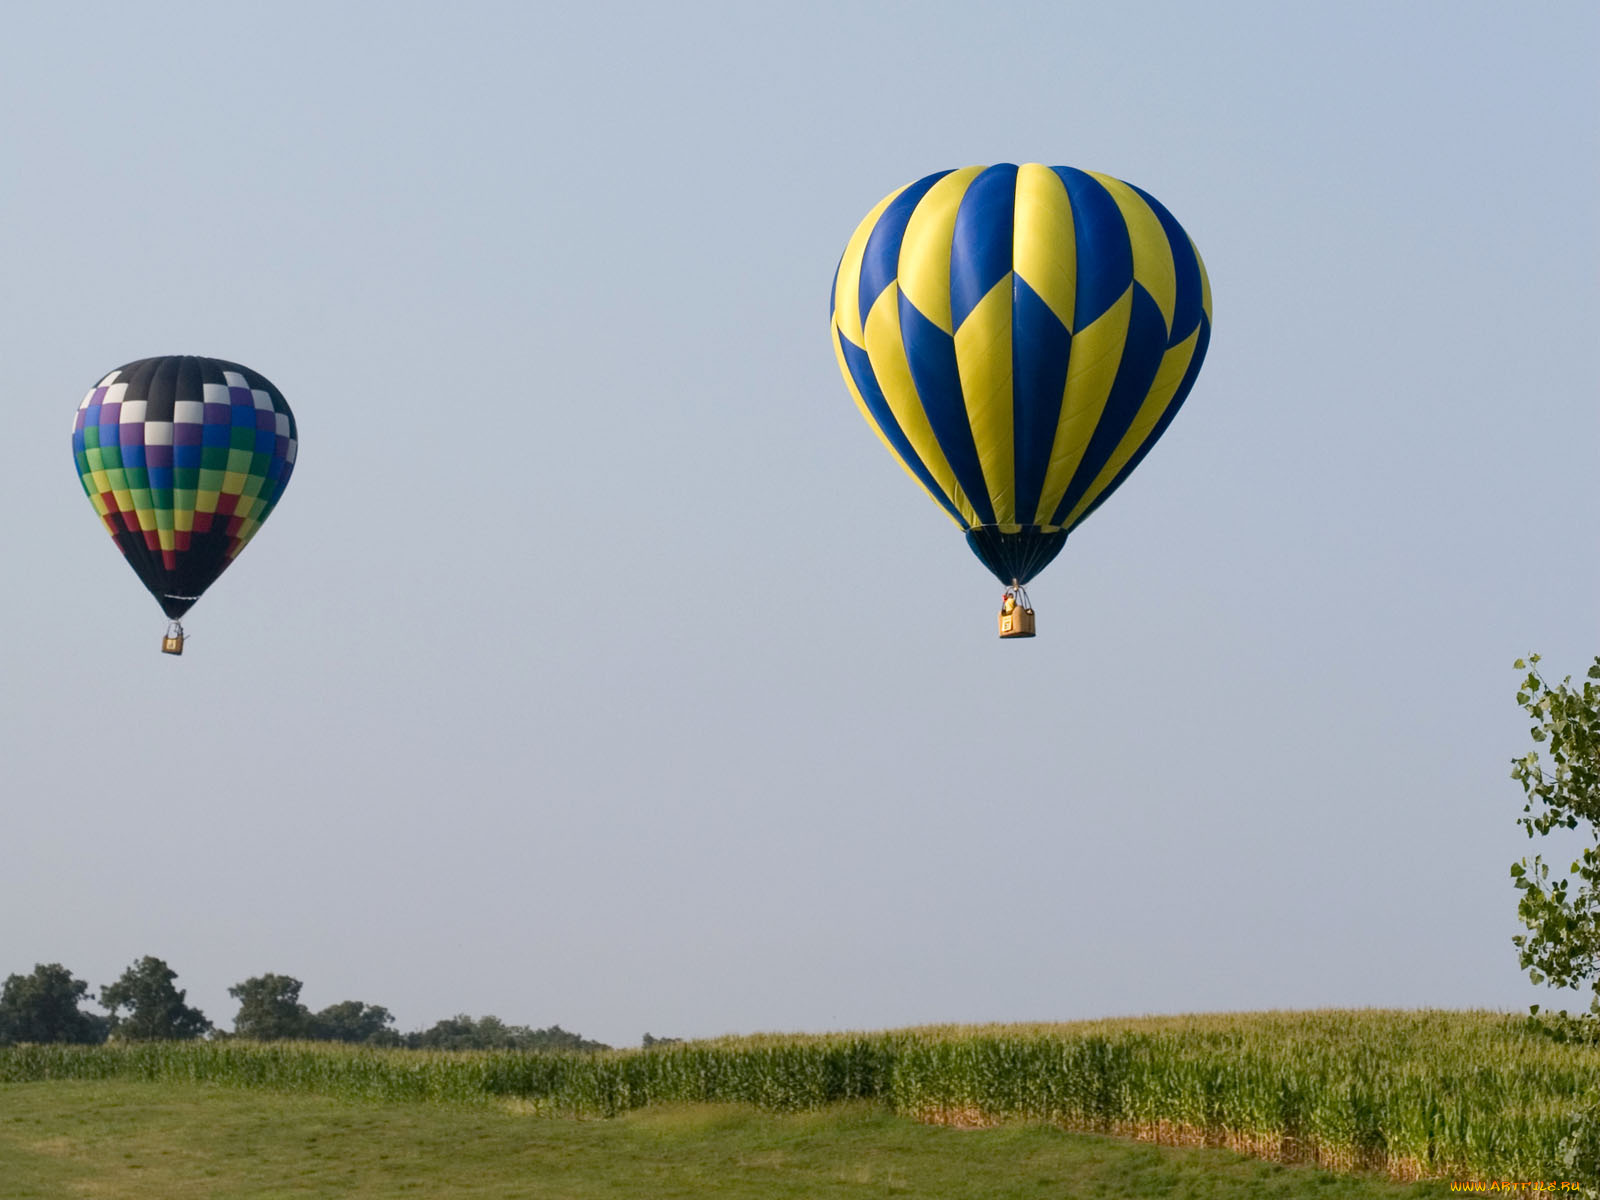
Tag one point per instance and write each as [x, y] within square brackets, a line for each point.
[1019, 337]
[183, 458]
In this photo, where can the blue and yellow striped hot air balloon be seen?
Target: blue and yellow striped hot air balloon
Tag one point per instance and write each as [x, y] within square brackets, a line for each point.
[1019, 337]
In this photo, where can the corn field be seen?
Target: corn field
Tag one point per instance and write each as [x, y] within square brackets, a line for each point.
[1414, 1094]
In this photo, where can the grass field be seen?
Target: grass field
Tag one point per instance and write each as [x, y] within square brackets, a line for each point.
[123, 1140]
[1435, 1095]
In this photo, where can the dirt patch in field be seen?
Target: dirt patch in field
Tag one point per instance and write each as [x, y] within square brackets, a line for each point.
[1274, 1147]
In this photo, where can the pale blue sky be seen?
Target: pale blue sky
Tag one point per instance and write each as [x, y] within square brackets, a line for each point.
[599, 667]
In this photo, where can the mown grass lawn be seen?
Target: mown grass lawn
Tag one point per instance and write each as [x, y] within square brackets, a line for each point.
[196, 1142]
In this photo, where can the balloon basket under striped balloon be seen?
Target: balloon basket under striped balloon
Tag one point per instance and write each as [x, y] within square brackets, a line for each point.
[1016, 614]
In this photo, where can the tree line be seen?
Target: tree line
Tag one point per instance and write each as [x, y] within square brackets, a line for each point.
[145, 1004]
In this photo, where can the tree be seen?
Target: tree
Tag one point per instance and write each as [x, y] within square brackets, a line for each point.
[43, 1007]
[1562, 947]
[462, 1032]
[353, 1021]
[459, 1032]
[156, 1011]
[557, 1038]
[270, 1009]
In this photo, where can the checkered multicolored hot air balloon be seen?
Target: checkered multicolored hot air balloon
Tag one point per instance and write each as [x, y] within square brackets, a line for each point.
[183, 458]
[1019, 337]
